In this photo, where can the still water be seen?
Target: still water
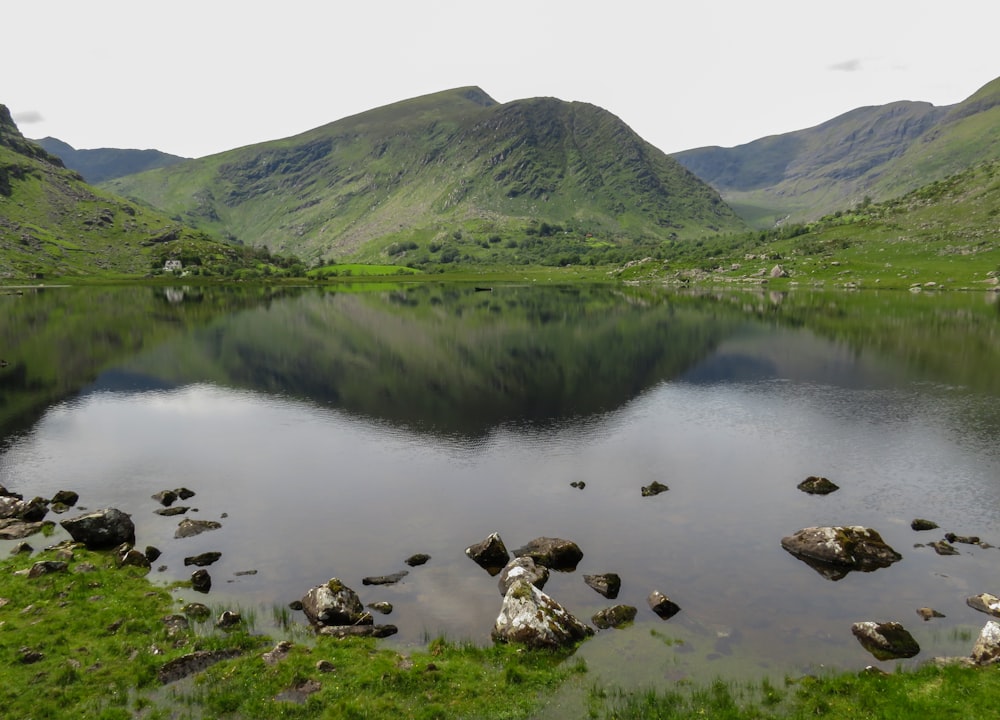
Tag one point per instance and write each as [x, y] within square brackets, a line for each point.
[336, 433]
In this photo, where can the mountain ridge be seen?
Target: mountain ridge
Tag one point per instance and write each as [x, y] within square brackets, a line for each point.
[100, 164]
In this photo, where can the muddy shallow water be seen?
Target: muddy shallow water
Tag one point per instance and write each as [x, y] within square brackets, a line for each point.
[335, 434]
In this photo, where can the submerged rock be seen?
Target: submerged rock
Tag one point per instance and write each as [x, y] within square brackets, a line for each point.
[334, 604]
[203, 559]
[835, 551]
[964, 539]
[190, 528]
[530, 617]
[490, 554]
[385, 579]
[101, 530]
[817, 486]
[886, 641]
[523, 568]
[928, 613]
[943, 547]
[608, 584]
[553, 553]
[614, 616]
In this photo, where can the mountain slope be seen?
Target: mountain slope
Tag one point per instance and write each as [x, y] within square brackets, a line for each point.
[875, 152]
[102, 164]
[429, 169]
[53, 223]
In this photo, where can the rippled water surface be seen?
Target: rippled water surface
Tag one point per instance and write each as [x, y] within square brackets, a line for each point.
[337, 433]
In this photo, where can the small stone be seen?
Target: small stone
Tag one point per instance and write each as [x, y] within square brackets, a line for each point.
[21, 548]
[662, 605]
[152, 553]
[964, 539]
[614, 616]
[818, 486]
[279, 653]
[418, 559]
[385, 579]
[203, 560]
[942, 547]
[325, 666]
[165, 497]
[201, 581]
[65, 497]
[190, 528]
[228, 619]
[197, 611]
[919, 524]
[886, 641]
[171, 511]
[927, 613]
[45, 567]
[608, 584]
[490, 554]
[176, 624]
[184, 494]
[578, 484]
[382, 607]
[27, 656]
[654, 488]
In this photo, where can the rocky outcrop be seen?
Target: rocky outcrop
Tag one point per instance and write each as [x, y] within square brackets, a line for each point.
[835, 551]
[334, 604]
[101, 530]
[530, 617]
[607, 584]
[553, 553]
[523, 568]
[490, 554]
[886, 641]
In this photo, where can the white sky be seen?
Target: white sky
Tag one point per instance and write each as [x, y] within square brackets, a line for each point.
[195, 77]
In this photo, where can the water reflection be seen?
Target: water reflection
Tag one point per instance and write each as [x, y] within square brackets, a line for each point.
[342, 432]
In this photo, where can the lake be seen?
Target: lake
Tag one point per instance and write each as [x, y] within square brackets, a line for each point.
[337, 431]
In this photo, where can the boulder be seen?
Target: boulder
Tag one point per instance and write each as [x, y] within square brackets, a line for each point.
[553, 553]
[334, 604]
[835, 551]
[654, 488]
[985, 602]
[885, 641]
[614, 616]
[818, 486]
[608, 584]
[530, 617]
[103, 529]
[490, 554]
[986, 651]
[34, 510]
[662, 605]
[919, 524]
[523, 568]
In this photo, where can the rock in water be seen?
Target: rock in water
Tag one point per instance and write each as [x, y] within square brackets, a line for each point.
[835, 551]
[608, 584]
[490, 554]
[523, 568]
[190, 528]
[985, 602]
[553, 553]
[662, 605]
[654, 488]
[101, 530]
[886, 641]
[817, 486]
[334, 604]
[530, 617]
[614, 616]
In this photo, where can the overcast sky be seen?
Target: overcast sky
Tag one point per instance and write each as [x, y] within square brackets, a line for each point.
[195, 77]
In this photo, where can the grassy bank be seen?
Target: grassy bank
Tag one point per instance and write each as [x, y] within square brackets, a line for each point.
[90, 641]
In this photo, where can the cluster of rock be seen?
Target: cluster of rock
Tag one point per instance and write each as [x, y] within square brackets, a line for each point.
[20, 518]
[530, 617]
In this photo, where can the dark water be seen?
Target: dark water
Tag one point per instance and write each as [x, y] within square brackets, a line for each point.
[341, 432]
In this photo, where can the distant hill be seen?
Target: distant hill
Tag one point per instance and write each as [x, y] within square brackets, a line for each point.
[102, 164]
[454, 174]
[54, 224]
[873, 152]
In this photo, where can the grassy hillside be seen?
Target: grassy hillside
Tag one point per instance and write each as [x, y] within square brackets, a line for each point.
[443, 177]
[102, 164]
[53, 224]
[874, 152]
[945, 234]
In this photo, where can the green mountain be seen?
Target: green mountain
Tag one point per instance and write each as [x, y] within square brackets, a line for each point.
[52, 223]
[450, 174]
[102, 164]
[873, 152]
